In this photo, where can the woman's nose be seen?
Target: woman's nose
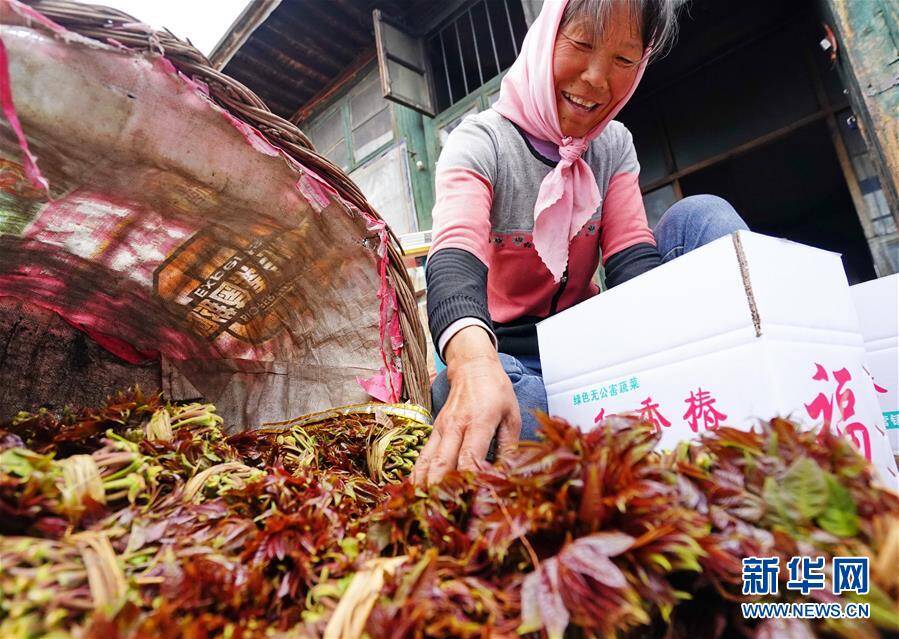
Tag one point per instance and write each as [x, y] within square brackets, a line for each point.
[597, 75]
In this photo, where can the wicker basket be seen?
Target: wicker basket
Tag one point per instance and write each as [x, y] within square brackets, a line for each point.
[110, 25]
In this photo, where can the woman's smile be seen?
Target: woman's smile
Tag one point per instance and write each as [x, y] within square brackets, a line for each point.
[595, 72]
[580, 104]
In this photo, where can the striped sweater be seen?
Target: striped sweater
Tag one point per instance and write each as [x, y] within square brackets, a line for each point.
[483, 268]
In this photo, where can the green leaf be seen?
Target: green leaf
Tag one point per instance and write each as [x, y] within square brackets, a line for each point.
[772, 493]
[660, 559]
[840, 517]
[804, 487]
[350, 547]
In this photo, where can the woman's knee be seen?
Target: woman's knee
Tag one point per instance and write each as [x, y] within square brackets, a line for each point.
[695, 221]
[704, 210]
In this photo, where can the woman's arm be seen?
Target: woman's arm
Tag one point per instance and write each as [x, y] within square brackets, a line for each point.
[481, 400]
[628, 245]
[458, 261]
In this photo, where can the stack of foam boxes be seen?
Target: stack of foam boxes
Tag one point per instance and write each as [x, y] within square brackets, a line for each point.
[877, 304]
[748, 327]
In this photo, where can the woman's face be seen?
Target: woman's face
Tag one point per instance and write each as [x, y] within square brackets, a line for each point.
[592, 77]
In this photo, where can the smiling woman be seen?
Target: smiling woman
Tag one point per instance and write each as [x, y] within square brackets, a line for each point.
[531, 195]
[599, 53]
[592, 74]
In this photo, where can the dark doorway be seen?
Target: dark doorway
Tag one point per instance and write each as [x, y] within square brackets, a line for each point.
[748, 106]
[793, 188]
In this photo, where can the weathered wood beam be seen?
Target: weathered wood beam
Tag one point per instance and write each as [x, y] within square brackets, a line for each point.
[252, 62]
[274, 55]
[314, 40]
[355, 12]
[339, 30]
[297, 46]
[867, 33]
[249, 19]
[262, 78]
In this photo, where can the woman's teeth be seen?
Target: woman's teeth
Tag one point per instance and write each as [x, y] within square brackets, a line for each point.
[584, 104]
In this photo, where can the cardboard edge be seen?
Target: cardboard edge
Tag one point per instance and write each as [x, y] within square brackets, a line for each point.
[747, 284]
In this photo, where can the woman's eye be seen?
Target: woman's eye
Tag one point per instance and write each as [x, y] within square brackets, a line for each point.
[625, 61]
[580, 44]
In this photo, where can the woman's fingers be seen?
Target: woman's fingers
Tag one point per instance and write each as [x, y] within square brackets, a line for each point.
[447, 456]
[452, 445]
[475, 446]
[509, 433]
[420, 471]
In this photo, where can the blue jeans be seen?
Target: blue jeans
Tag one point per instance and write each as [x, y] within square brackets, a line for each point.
[692, 222]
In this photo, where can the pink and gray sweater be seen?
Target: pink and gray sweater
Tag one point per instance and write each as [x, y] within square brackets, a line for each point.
[483, 268]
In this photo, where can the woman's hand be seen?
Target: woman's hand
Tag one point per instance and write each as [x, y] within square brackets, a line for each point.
[480, 400]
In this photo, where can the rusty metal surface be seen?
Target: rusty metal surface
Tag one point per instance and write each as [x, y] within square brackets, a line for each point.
[304, 45]
[868, 34]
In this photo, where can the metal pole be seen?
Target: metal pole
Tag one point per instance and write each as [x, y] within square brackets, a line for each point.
[449, 85]
[511, 30]
[474, 38]
[461, 60]
[492, 38]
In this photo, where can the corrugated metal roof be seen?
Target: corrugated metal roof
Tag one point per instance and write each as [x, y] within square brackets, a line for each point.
[303, 46]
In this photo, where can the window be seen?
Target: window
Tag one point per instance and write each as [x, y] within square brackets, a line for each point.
[386, 184]
[403, 66]
[437, 129]
[357, 126]
[358, 132]
[474, 48]
[327, 134]
[370, 119]
[433, 73]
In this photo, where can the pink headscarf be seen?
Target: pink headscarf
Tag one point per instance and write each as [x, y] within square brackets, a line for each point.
[569, 195]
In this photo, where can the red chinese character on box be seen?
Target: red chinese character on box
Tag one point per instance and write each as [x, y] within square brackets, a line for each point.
[650, 413]
[822, 407]
[701, 410]
[876, 387]
[599, 416]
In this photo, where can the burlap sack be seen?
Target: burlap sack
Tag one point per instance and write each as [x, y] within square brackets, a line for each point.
[137, 205]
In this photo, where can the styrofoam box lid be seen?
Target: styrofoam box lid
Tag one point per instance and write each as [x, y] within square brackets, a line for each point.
[794, 290]
[877, 305]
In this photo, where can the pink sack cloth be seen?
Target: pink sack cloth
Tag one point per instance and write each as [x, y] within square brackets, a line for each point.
[153, 220]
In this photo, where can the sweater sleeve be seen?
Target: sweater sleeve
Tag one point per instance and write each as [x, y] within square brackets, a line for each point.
[623, 223]
[466, 173]
[631, 262]
[459, 257]
[457, 289]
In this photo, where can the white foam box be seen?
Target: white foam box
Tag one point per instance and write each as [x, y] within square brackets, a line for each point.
[877, 306]
[747, 327]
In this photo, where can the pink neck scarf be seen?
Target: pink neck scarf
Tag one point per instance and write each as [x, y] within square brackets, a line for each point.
[569, 195]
